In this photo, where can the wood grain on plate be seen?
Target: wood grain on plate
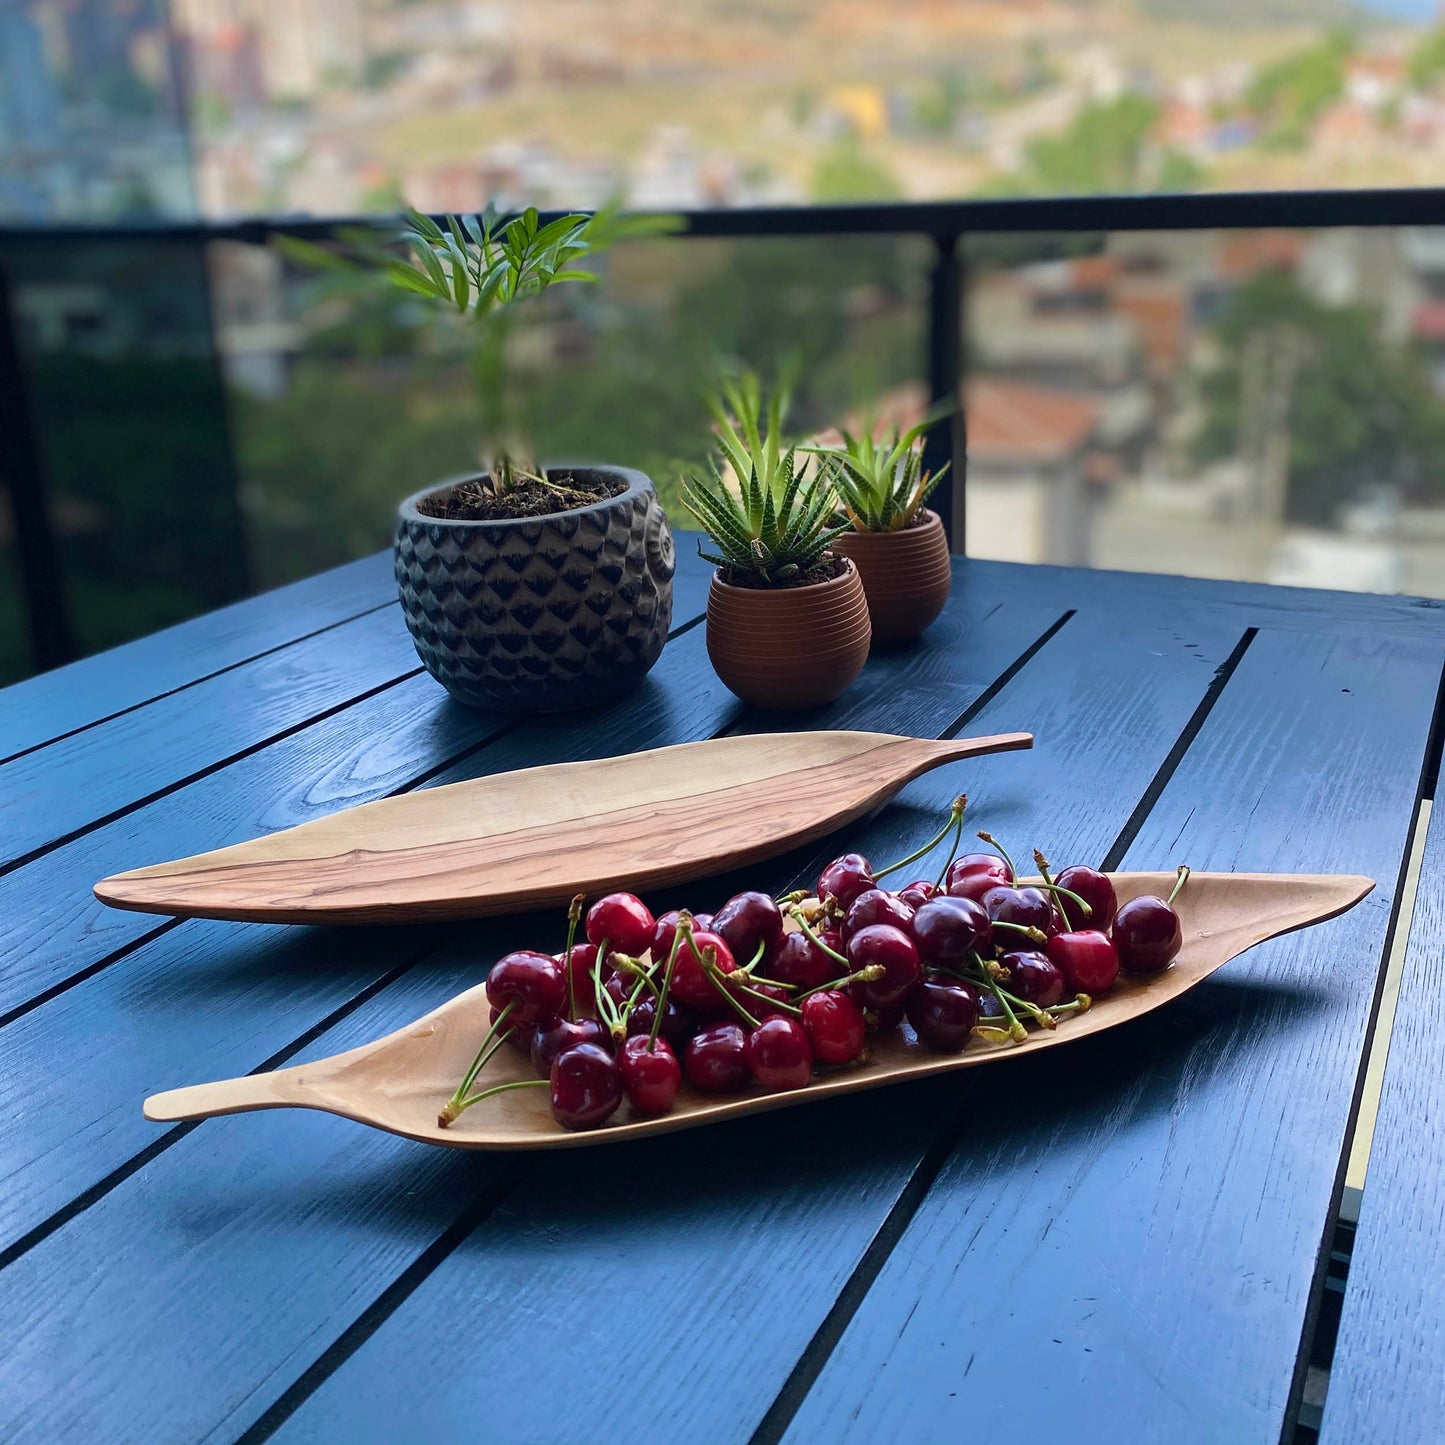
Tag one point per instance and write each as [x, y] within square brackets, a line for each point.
[537, 836]
[399, 1082]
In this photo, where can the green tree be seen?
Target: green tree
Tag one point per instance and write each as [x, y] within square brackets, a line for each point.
[1427, 60]
[1359, 410]
[1108, 150]
[846, 172]
[1289, 95]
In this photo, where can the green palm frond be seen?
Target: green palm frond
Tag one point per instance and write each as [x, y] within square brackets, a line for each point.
[880, 484]
[766, 517]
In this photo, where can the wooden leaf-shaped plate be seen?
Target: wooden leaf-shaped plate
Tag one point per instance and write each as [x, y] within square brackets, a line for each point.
[533, 838]
[399, 1082]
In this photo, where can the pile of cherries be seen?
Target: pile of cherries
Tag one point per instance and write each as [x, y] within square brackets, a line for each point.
[769, 990]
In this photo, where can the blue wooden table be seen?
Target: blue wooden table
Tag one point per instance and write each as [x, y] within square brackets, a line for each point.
[1126, 1240]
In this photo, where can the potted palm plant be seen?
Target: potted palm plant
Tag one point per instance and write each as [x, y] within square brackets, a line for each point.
[787, 622]
[897, 543]
[525, 588]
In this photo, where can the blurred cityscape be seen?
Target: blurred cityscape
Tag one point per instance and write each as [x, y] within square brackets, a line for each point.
[1266, 405]
[339, 107]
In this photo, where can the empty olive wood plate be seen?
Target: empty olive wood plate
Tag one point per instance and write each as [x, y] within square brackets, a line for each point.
[533, 838]
[398, 1083]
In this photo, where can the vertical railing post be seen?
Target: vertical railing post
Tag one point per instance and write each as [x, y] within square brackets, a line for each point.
[52, 639]
[946, 441]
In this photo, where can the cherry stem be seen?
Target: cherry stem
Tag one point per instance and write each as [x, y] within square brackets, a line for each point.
[863, 975]
[955, 820]
[1042, 864]
[788, 899]
[1183, 879]
[957, 839]
[1013, 875]
[574, 917]
[666, 986]
[491, 1041]
[751, 992]
[1016, 1031]
[1081, 1005]
[1039, 1016]
[502, 1089]
[718, 976]
[755, 960]
[816, 941]
[605, 1004]
[1027, 929]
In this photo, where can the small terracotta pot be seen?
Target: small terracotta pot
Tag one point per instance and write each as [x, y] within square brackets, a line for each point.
[906, 575]
[788, 647]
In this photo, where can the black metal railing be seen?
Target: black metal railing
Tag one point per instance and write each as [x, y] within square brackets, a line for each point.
[942, 224]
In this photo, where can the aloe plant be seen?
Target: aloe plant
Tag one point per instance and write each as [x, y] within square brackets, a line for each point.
[770, 522]
[880, 484]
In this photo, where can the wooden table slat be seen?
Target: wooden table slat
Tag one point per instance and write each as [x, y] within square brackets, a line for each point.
[1133, 1233]
[58, 703]
[1387, 1381]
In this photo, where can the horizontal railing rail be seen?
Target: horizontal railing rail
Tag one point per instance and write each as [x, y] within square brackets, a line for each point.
[941, 223]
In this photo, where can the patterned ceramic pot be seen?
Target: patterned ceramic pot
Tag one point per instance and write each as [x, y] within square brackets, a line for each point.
[906, 576]
[539, 614]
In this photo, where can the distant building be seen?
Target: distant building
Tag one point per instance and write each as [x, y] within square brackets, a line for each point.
[29, 109]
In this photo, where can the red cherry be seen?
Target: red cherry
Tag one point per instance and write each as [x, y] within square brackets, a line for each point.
[894, 951]
[1034, 977]
[748, 921]
[518, 1035]
[531, 982]
[716, 1060]
[845, 878]
[1025, 907]
[1096, 890]
[885, 1020]
[678, 1025]
[691, 986]
[875, 905]
[917, 893]
[623, 921]
[650, 1075]
[974, 874]
[949, 929]
[1087, 959]
[586, 1086]
[551, 1038]
[666, 926]
[779, 1054]
[800, 962]
[1148, 934]
[943, 1014]
[834, 1025]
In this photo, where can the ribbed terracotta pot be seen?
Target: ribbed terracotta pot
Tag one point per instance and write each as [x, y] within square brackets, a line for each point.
[788, 647]
[906, 576]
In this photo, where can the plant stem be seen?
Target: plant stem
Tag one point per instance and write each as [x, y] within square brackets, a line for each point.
[605, 1006]
[955, 816]
[1042, 864]
[1183, 879]
[962, 799]
[1036, 935]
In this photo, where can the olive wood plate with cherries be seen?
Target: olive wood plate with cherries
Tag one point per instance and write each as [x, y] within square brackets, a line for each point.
[529, 839]
[398, 1083]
